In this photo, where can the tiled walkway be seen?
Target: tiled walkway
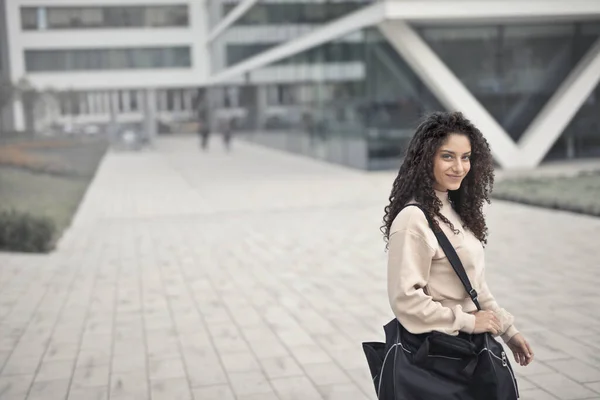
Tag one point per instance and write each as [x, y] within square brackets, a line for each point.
[256, 275]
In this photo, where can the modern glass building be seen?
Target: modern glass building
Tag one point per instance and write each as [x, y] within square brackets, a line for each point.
[347, 81]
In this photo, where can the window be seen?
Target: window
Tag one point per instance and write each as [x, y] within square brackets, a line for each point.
[104, 17]
[106, 59]
[295, 12]
[29, 18]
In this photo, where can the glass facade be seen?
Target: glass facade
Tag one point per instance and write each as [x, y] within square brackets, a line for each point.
[513, 70]
[294, 12]
[106, 59]
[355, 101]
[267, 24]
[96, 17]
[581, 138]
[329, 52]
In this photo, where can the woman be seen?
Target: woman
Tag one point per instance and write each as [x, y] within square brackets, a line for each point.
[449, 172]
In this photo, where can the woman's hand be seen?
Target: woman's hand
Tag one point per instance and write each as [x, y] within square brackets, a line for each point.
[486, 321]
[521, 349]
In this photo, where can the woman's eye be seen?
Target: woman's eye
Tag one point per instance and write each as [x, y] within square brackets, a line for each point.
[467, 158]
[446, 156]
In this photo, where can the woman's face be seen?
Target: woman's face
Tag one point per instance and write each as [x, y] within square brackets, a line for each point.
[452, 162]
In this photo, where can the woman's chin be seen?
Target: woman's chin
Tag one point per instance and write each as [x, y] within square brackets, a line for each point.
[453, 186]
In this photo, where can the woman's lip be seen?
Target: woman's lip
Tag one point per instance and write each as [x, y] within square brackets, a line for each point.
[455, 176]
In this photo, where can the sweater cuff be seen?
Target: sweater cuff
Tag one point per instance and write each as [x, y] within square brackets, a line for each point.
[510, 332]
[468, 323]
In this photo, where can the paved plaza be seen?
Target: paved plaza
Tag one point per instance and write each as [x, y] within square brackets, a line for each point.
[256, 275]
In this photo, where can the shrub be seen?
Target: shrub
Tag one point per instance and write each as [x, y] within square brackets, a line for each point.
[24, 232]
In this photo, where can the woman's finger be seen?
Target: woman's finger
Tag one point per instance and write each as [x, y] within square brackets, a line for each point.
[529, 351]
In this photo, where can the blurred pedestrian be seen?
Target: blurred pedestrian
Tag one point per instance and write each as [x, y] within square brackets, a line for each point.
[226, 131]
[204, 133]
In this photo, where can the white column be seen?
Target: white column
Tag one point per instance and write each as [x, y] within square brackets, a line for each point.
[107, 102]
[91, 100]
[125, 100]
[18, 115]
[177, 103]
[448, 89]
[187, 99]
[83, 103]
[554, 118]
[161, 97]
[140, 100]
[149, 109]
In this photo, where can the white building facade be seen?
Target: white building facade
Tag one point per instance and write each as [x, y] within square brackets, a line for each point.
[356, 79]
[108, 58]
[341, 80]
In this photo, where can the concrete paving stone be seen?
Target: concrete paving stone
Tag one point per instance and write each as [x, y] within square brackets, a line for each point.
[326, 374]
[49, 390]
[171, 389]
[96, 393]
[61, 352]
[561, 386]
[311, 354]
[86, 358]
[161, 369]
[294, 337]
[204, 371]
[594, 386]
[15, 387]
[535, 368]
[576, 370]
[167, 348]
[262, 396]
[240, 362]
[249, 383]
[268, 349]
[525, 384]
[129, 346]
[342, 392]
[91, 375]
[129, 363]
[536, 394]
[55, 370]
[218, 392]
[130, 385]
[66, 335]
[296, 387]
[17, 365]
[281, 367]
[361, 377]
[227, 338]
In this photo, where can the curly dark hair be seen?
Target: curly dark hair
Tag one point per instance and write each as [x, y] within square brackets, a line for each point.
[415, 179]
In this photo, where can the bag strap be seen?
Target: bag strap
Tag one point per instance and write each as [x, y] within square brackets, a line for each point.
[452, 257]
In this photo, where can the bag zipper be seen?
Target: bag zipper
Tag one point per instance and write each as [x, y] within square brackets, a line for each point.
[505, 365]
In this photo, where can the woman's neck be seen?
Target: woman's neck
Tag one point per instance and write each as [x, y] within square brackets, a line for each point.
[442, 195]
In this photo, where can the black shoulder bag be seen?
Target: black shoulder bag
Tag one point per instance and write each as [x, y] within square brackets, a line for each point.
[438, 366]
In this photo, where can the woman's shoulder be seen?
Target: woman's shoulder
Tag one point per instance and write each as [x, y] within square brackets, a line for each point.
[411, 218]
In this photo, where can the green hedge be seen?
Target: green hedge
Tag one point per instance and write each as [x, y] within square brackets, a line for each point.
[579, 194]
[23, 232]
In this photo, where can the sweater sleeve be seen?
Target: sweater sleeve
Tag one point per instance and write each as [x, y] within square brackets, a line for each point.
[488, 302]
[409, 263]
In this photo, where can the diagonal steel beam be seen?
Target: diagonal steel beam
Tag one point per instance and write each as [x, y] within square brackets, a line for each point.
[556, 115]
[448, 89]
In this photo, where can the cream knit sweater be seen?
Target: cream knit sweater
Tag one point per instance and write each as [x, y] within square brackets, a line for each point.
[424, 291]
